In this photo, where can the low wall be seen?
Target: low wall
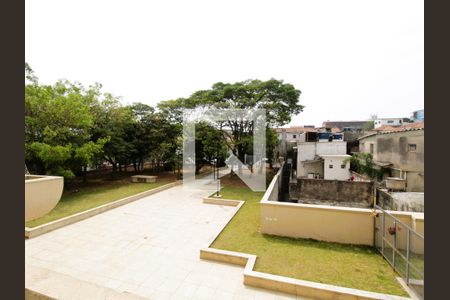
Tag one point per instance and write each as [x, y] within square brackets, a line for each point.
[338, 192]
[345, 225]
[319, 222]
[401, 201]
[360, 177]
[42, 194]
[274, 186]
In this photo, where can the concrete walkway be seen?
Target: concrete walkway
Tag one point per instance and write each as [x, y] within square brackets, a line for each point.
[148, 248]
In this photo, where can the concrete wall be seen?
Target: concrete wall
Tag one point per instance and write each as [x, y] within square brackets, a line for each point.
[274, 186]
[330, 223]
[336, 172]
[344, 192]
[331, 148]
[400, 201]
[333, 224]
[306, 151]
[324, 223]
[42, 193]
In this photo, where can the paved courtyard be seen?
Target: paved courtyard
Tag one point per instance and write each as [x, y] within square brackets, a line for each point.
[145, 249]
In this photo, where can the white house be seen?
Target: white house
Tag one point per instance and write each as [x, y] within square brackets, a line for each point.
[315, 158]
[387, 121]
[336, 167]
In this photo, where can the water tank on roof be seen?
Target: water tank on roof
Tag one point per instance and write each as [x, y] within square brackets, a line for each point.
[323, 135]
[338, 137]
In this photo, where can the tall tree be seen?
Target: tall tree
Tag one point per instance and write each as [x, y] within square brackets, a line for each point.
[112, 121]
[279, 99]
[209, 144]
[57, 128]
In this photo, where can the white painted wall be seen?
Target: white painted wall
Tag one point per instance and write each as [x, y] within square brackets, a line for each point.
[331, 148]
[391, 122]
[289, 135]
[309, 151]
[333, 168]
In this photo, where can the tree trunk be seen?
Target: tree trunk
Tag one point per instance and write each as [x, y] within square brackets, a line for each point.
[84, 173]
[114, 169]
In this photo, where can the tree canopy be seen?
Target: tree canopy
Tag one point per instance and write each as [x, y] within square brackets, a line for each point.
[279, 99]
[69, 127]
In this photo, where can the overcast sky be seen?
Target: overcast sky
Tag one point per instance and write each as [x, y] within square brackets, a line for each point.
[350, 59]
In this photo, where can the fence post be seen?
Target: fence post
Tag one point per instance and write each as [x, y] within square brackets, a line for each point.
[408, 239]
[395, 243]
[382, 234]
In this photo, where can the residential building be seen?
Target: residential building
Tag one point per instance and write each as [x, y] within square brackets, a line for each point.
[418, 115]
[336, 167]
[288, 138]
[345, 125]
[292, 134]
[323, 158]
[387, 121]
[400, 150]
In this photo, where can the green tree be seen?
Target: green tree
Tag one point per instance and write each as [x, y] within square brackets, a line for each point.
[113, 121]
[271, 144]
[281, 101]
[369, 125]
[58, 121]
[209, 144]
[363, 163]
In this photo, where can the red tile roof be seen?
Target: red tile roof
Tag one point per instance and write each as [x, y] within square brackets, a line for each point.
[296, 129]
[385, 129]
[404, 127]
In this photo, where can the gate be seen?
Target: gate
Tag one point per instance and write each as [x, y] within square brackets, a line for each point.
[402, 247]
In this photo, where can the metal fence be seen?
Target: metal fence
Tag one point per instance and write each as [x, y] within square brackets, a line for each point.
[402, 247]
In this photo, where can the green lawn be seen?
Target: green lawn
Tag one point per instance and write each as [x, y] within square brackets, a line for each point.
[350, 266]
[93, 196]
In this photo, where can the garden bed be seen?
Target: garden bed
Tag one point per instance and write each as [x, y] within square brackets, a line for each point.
[357, 267]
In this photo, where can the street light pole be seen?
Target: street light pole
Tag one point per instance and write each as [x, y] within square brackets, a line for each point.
[216, 161]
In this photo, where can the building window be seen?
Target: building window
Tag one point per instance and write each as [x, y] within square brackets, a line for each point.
[412, 147]
[371, 148]
[330, 166]
[390, 122]
[343, 166]
[294, 136]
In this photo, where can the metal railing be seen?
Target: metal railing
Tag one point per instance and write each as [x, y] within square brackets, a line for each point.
[402, 247]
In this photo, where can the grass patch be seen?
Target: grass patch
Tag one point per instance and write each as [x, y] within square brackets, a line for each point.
[88, 197]
[359, 267]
